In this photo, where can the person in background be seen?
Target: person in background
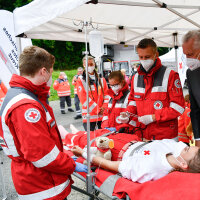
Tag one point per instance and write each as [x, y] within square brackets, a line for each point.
[156, 95]
[119, 93]
[3, 91]
[76, 99]
[62, 86]
[191, 48]
[98, 98]
[123, 71]
[133, 72]
[183, 123]
[40, 169]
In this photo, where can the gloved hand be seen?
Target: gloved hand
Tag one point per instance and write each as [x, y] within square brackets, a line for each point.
[81, 167]
[146, 119]
[124, 117]
[111, 129]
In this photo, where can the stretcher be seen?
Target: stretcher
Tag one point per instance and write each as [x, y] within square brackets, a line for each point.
[176, 186]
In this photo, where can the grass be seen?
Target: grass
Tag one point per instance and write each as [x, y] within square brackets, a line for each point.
[70, 74]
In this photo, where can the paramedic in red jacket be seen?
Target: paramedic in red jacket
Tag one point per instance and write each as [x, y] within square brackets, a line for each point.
[118, 102]
[156, 94]
[3, 91]
[98, 98]
[62, 86]
[40, 169]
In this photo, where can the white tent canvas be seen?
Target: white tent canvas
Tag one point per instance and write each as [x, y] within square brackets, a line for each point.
[119, 21]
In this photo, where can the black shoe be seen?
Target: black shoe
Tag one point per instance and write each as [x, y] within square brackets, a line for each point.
[78, 117]
[62, 112]
[70, 110]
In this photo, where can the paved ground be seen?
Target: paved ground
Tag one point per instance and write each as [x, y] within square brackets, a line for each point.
[64, 120]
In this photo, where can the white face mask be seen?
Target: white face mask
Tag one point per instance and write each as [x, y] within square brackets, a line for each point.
[116, 88]
[91, 69]
[193, 63]
[147, 64]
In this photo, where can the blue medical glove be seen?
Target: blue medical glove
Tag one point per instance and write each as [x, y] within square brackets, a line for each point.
[81, 167]
[111, 129]
[74, 158]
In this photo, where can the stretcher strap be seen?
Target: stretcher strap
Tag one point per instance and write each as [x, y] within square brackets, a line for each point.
[108, 185]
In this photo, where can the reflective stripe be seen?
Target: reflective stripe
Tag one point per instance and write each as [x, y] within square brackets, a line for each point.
[107, 97]
[133, 123]
[11, 148]
[90, 108]
[177, 107]
[132, 103]
[48, 117]
[163, 87]
[137, 89]
[47, 159]
[105, 118]
[106, 101]
[109, 105]
[85, 103]
[52, 192]
[93, 116]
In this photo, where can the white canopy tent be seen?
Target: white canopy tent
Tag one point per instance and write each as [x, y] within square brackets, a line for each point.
[120, 21]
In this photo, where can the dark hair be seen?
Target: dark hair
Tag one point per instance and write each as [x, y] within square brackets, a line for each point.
[33, 58]
[117, 75]
[146, 42]
[96, 75]
[194, 164]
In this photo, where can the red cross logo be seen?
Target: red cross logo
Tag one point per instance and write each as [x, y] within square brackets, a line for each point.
[158, 105]
[177, 83]
[33, 115]
[146, 152]
[180, 65]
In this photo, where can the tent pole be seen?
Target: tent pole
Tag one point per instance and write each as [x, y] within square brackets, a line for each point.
[176, 48]
[89, 175]
[19, 45]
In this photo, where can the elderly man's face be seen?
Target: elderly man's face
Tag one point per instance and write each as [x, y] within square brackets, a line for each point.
[189, 50]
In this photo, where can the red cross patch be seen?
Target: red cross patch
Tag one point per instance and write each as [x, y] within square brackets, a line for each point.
[180, 65]
[32, 115]
[146, 152]
[158, 105]
[177, 83]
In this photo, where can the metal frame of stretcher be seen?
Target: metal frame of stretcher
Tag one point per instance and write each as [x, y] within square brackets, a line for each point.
[95, 189]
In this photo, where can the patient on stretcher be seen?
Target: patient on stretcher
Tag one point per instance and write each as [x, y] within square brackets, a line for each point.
[150, 161]
[142, 161]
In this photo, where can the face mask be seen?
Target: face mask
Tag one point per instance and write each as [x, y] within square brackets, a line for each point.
[147, 64]
[116, 88]
[193, 63]
[91, 69]
[65, 77]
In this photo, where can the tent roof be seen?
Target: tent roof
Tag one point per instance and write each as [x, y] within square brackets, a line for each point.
[125, 21]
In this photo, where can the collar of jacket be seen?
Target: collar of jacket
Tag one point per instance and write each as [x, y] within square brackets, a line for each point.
[120, 93]
[41, 91]
[157, 65]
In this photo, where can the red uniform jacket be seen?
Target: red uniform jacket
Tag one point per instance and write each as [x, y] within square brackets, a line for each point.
[97, 98]
[158, 92]
[62, 87]
[3, 91]
[40, 169]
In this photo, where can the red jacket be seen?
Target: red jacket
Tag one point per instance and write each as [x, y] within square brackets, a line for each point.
[117, 104]
[3, 91]
[74, 82]
[158, 92]
[97, 98]
[183, 122]
[40, 169]
[62, 87]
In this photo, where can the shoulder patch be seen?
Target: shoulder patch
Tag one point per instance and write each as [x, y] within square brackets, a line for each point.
[79, 88]
[32, 115]
[177, 83]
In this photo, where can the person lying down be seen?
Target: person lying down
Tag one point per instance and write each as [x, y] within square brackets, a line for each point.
[151, 160]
